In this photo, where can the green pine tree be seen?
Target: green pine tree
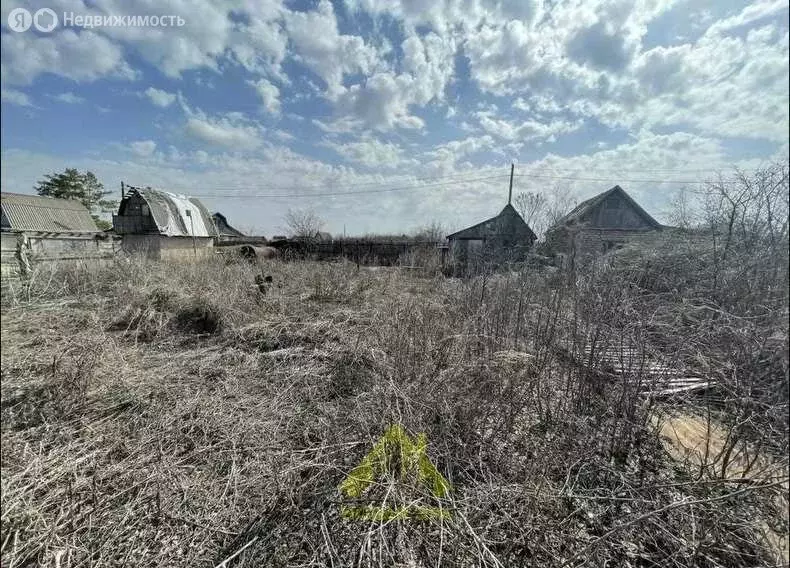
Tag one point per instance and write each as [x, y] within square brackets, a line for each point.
[85, 188]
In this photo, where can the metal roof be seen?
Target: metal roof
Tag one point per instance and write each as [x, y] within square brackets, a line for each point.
[176, 215]
[22, 212]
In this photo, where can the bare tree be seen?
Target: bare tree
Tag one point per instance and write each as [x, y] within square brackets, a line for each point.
[749, 211]
[303, 222]
[540, 212]
[682, 213]
[562, 201]
[532, 207]
[432, 232]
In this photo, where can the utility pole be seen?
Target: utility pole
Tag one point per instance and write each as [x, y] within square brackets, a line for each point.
[122, 191]
[192, 226]
[510, 192]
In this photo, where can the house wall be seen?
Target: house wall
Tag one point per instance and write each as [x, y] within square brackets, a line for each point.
[136, 217]
[469, 256]
[159, 247]
[146, 245]
[590, 242]
[65, 247]
[185, 248]
[9, 262]
[21, 251]
[579, 246]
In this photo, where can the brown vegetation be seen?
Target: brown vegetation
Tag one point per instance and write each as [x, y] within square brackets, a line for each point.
[167, 415]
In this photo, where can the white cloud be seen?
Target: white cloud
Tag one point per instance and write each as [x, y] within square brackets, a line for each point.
[461, 201]
[224, 131]
[86, 56]
[445, 156]
[261, 45]
[159, 97]
[521, 104]
[256, 41]
[269, 94]
[380, 103]
[143, 148]
[321, 48]
[721, 85]
[755, 12]
[14, 97]
[385, 99]
[371, 153]
[199, 43]
[284, 135]
[528, 72]
[526, 130]
[68, 98]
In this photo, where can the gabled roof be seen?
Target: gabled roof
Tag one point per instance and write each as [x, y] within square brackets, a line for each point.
[224, 228]
[582, 209]
[509, 218]
[175, 215]
[21, 212]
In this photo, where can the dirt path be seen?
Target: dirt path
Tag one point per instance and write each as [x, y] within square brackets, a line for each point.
[708, 452]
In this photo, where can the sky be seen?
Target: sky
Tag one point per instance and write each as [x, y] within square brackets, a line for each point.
[384, 116]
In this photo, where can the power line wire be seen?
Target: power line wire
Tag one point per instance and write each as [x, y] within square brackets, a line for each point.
[337, 193]
[454, 177]
[449, 180]
[610, 179]
[462, 177]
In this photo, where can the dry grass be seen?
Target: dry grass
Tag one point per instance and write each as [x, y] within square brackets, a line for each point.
[706, 450]
[173, 415]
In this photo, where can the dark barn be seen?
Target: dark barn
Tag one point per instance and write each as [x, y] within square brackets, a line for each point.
[505, 237]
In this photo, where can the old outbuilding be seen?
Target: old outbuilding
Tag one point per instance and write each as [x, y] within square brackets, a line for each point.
[600, 224]
[505, 236]
[224, 229]
[38, 229]
[164, 225]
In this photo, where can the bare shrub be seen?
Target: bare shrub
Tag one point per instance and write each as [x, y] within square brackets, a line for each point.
[232, 448]
[303, 222]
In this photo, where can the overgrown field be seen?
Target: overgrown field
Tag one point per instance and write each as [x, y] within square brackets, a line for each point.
[176, 415]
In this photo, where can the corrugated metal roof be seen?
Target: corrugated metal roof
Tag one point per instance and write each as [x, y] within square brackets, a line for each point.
[178, 215]
[35, 213]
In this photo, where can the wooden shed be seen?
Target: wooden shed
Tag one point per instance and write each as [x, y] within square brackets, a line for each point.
[164, 225]
[36, 229]
[505, 236]
[599, 224]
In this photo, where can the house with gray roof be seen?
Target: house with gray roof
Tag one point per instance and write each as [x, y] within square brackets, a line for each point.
[164, 225]
[37, 229]
[600, 224]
